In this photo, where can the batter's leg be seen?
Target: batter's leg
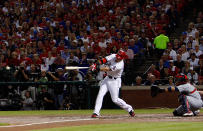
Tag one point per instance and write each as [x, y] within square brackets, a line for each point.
[114, 91]
[102, 92]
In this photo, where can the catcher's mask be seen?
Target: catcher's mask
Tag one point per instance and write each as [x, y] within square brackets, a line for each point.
[121, 55]
[181, 79]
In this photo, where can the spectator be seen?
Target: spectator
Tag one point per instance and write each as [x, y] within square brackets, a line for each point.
[191, 29]
[200, 72]
[193, 76]
[165, 59]
[138, 81]
[201, 44]
[85, 47]
[43, 78]
[161, 68]
[50, 59]
[173, 70]
[139, 45]
[185, 53]
[141, 53]
[72, 59]
[44, 54]
[33, 75]
[96, 48]
[197, 51]
[21, 75]
[171, 81]
[194, 62]
[89, 77]
[197, 37]
[58, 62]
[90, 53]
[75, 75]
[186, 68]
[3, 60]
[9, 92]
[65, 53]
[102, 43]
[84, 63]
[154, 72]
[27, 102]
[24, 59]
[189, 47]
[191, 41]
[128, 51]
[151, 80]
[172, 53]
[45, 100]
[36, 60]
[13, 60]
[59, 89]
[44, 66]
[133, 47]
[160, 43]
[179, 63]
[198, 22]
[176, 45]
[61, 47]
[183, 38]
[146, 44]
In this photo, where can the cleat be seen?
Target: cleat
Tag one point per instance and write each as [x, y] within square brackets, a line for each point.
[196, 112]
[132, 114]
[188, 114]
[94, 115]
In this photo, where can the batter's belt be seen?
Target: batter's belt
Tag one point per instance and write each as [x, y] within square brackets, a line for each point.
[111, 77]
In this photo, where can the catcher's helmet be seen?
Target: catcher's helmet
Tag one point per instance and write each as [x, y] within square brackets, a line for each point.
[181, 79]
[121, 55]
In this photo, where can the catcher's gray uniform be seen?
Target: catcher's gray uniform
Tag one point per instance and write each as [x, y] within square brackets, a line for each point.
[189, 98]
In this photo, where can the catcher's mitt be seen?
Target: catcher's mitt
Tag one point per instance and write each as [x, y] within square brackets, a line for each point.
[155, 90]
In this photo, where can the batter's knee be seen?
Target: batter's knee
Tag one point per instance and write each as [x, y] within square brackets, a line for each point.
[115, 100]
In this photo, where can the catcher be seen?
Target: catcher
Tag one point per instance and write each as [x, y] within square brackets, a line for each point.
[189, 97]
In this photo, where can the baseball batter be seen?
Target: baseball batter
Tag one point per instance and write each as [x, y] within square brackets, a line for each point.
[189, 97]
[112, 82]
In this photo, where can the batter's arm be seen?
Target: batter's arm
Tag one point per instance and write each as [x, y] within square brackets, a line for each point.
[102, 61]
[105, 69]
[201, 92]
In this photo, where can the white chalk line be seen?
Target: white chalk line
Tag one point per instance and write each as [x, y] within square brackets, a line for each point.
[48, 122]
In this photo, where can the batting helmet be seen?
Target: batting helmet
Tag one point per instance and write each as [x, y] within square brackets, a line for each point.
[121, 55]
[181, 79]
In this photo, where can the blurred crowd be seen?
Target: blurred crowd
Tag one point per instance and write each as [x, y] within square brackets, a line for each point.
[39, 38]
[183, 55]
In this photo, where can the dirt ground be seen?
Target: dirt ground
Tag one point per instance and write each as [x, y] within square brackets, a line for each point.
[18, 123]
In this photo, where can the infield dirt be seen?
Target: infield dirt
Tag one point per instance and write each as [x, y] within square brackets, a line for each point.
[22, 123]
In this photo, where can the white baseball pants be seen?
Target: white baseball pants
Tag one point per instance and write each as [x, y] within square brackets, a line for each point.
[111, 85]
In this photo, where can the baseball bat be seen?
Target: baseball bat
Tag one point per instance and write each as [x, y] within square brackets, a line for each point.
[75, 67]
